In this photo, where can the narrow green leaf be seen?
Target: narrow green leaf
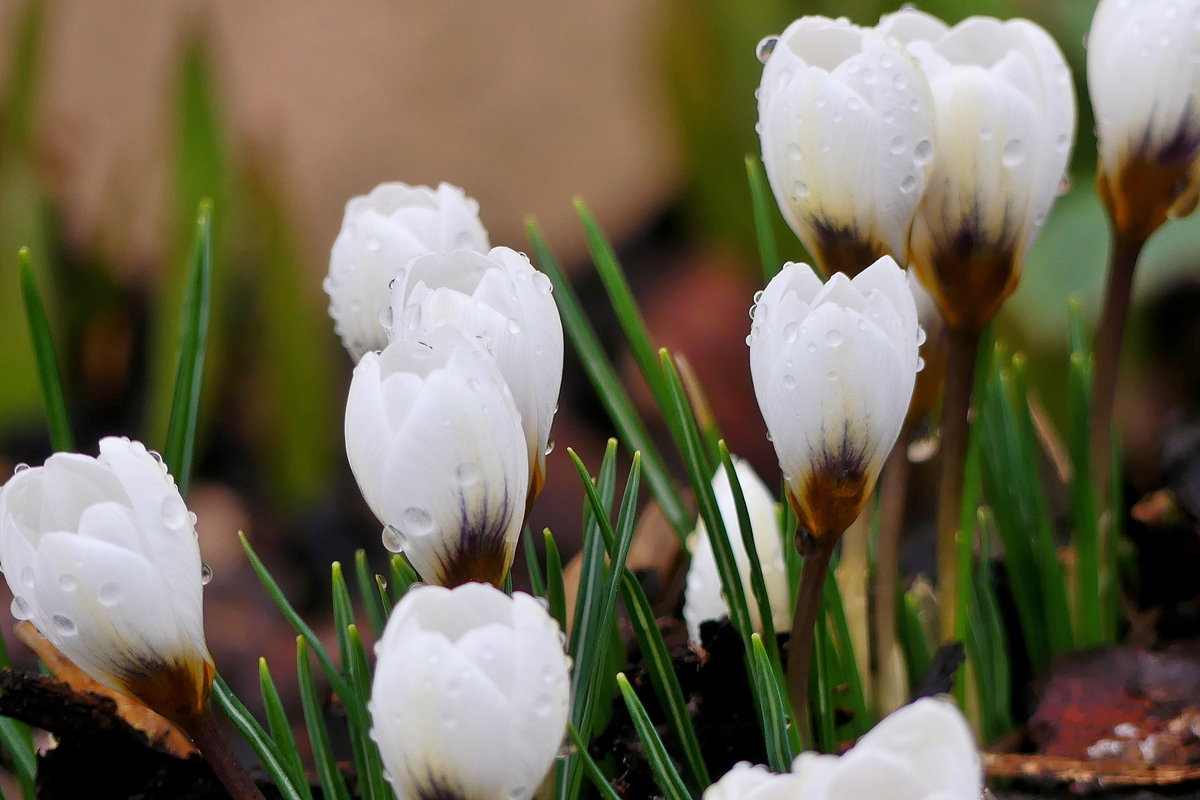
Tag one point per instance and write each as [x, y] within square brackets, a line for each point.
[385, 600]
[370, 775]
[179, 450]
[591, 576]
[281, 732]
[660, 763]
[779, 745]
[367, 591]
[59, 421]
[264, 747]
[356, 713]
[536, 581]
[1085, 517]
[404, 577]
[917, 657]
[823, 679]
[343, 619]
[760, 199]
[556, 593]
[17, 740]
[343, 614]
[607, 792]
[630, 428]
[333, 786]
[832, 599]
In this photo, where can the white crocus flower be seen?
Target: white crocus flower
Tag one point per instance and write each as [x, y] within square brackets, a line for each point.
[833, 368]
[846, 124]
[502, 300]
[470, 694]
[382, 232]
[747, 782]
[1004, 117]
[923, 751]
[101, 556]
[435, 442]
[1143, 72]
[704, 599]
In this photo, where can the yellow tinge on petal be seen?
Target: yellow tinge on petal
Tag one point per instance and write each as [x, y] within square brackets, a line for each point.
[179, 690]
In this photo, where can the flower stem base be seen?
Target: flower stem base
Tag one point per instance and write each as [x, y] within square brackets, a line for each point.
[804, 620]
[206, 735]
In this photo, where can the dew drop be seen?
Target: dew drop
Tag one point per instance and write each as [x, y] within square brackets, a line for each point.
[920, 363]
[758, 296]
[908, 184]
[19, 468]
[415, 522]
[812, 347]
[750, 338]
[549, 446]
[789, 382]
[542, 283]
[518, 793]
[868, 77]
[889, 117]
[63, 625]
[466, 473]
[900, 82]
[206, 574]
[790, 332]
[27, 577]
[921, 337]
[192, 518]
[157, 456]
[837, 116]
[386, 318]
[67, 582]
[793, 151]
[800, 189]
[897, 145]
[819, 102]
[831, 375]
[758, 128]
[109, 594]
[20, 608]
[392, 539]
[853, 68]
[862, 324]
[543, 705]
[174, 512]
[853, 103]
[769, 439]
[886, 61]
[513, 327]
[373, 244]
[1064, 184]
[1014, 151]
[765, 47]
[923, 153]
[914, 105]
[833, 337]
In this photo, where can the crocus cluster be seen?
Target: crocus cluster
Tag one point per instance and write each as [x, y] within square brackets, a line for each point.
[460, 353]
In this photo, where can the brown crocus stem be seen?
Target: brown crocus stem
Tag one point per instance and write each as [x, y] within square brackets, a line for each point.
[804, 620]
[206, 735]
[956, 403]
[892, 489]
[1125, 251]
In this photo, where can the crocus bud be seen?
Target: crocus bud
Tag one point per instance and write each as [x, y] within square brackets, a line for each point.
[846, 124]
[502, 300]
[1145, 90]
[934, 351]
[381, 232]
[923, 751]
[833, 368]
[101, 556]
[470, 694]
[704, 599]
[1004, 125]
[747, 782]
[435, 442]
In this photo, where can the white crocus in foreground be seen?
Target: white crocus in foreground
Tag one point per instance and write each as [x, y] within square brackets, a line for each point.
[469, 700]
[381, 232]
[435, 442]
[704, 599]
[1004, 110]
[923, 751]
[846, 124]
[833, 368]
[1143, 72]
[502, 300]
[101, 556]
[747, 782]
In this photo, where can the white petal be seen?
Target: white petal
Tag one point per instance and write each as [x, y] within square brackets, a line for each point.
[746, 782]
[367, 430]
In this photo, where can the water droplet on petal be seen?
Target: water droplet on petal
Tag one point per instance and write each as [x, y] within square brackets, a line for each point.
[27, 577]
[765, 47]
[793, 151]
[900, 82]
[831, 375]
[853, 103]
[386, 318]
[467, 473]
[921, 337]
[373, 244]
[549, 446]
[862, 324]
[206, 574]
[914, 105]
[20, 608]
[886, 61]
[157, 456]
[415, 522]
[513, 327]
[923, 153]
[897, 145]
[920, 363]
[20, 467]
[800, 189]
[812, 347]
[1064, 184]
[543, 705]
[819, 102]
[518, 793]
[868, 77]
[393, 540]
[889, 117]
[789, 382]
[63, 625]
[985, 133]
[909, 184]
[833, 337]
[1014, 151]
[67, 582]
[790, 332]
[542, 283]
[174, 512]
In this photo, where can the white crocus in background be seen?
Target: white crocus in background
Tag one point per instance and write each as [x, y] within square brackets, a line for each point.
[923, 751]
[704, 599]
[833, 368]
[1004, 110]
[381, 232]
[470, 694]
[502, 300]
[753, 782]
[845, 119]
[1143, 73]
[101, 556]
[436, 445]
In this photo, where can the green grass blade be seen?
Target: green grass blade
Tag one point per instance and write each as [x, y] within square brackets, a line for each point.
[264, 747]
[556, 593]
[179, 450]
[779, 745]
[18, 742]
[57, 418]
[404, 577]
[333, 786]
[760, 199]
[660, 763]
[354, 711]
[367, 591]
[832, 598]
[385, 600]
[536, 581]
[607, 792]
[343, 619]
[591, 576]
[630, 428]
[281, 732]
[822, 681]
[917, 657]
[372, 785]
